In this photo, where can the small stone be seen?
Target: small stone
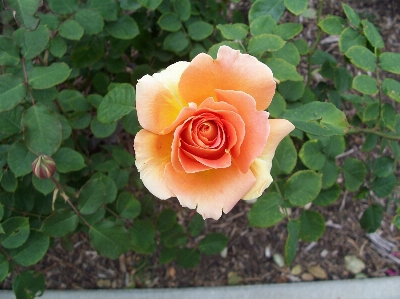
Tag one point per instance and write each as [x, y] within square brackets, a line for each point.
[353, 264]
[104, 283]
[224, 253]
[307, 277]
[172, 272]
[317, 272]
[279, 260]
[324, 253]
[268, 253]
[296, 270]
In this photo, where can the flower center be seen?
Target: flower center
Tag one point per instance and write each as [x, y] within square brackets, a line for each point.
[208, 130]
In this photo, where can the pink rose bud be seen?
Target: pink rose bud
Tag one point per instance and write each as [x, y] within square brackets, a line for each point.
[44, 167]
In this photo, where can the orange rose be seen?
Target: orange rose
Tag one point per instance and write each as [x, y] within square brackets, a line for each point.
[206, 138]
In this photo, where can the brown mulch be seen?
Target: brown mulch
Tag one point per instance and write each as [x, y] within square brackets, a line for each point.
[249, 257]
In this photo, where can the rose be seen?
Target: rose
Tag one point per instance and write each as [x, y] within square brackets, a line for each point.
[206, 138]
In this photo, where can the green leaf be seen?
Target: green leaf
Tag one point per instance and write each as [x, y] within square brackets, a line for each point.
[107, 8]
[200, 30]
[68, 160]
[296, 7]
[1, 212]
[188, 258]
[8, 181]
[302, 187]
[175, 42]
[362, 57]
[118, 102]
[87, 52]
[167, 255]
[396, 221]
[32, 251]
[330, 173]
[390, 87]
[291, 90]
[286, 155]
[101, 130]
[166, 220]
[124, 28]
[12, 91]
[63, 7]
[354, 173]
[365, 84]
[123, 158]
[350, 37]
[292, 241]
[20, 159]
[43, 77]
[16, 232]
[109, 238]
[383, 186]
[35, 42]
[342, 79]
[213, 243]
[289, 53]
[196, 225]
[388, 114]
[236, 31]
[174, 237]
[92, 196]
[283, 70]
[170, 22]
[273, 8]
[129, 4]
[9, 53]
[265, 42]
[318, 118]
[45, 186]
[150, 4]
[371, 112]
[91, 21]
[277, 106]
[312, 226]
[128, 206]
[143, 233]
[311, 155]
[288, 30]
[60, 223]
[372, 34]
[302, 46]
[351, 15]
[265, 212]
[262, 25]
[4, 266]
[71, 29]
[24, 12]
[42, 130]
[58, 47]
[328, 196]
[390, 62]
[371, 140]
[28, 285]
[332, 25]
[372, 218]
[183, 9]
[383, 166]
[72, 100]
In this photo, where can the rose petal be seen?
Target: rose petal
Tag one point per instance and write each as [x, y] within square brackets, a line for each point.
[152, 154]
[261, 166]
[230, 71]
[158, 102]
[211, 191]
[256, 122]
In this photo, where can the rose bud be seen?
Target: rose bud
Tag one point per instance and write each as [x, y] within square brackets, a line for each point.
[44, 167]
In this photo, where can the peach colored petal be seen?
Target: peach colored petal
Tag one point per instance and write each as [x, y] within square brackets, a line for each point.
[256, 122]
[152, 154]
[261, 166]
[230, 71]
[158, 101]
[212, 192]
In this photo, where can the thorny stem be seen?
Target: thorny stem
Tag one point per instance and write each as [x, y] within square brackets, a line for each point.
[316, 42]
[66, 198]
[373, 131]
[26, 80]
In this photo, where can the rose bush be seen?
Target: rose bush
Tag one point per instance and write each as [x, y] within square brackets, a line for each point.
[206, 138]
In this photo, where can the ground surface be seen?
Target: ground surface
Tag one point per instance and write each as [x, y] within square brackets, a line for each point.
[249, 255]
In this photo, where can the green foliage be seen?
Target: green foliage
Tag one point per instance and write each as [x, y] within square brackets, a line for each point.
[67, 90]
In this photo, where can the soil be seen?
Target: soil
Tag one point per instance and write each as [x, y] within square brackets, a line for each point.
[250, 253]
